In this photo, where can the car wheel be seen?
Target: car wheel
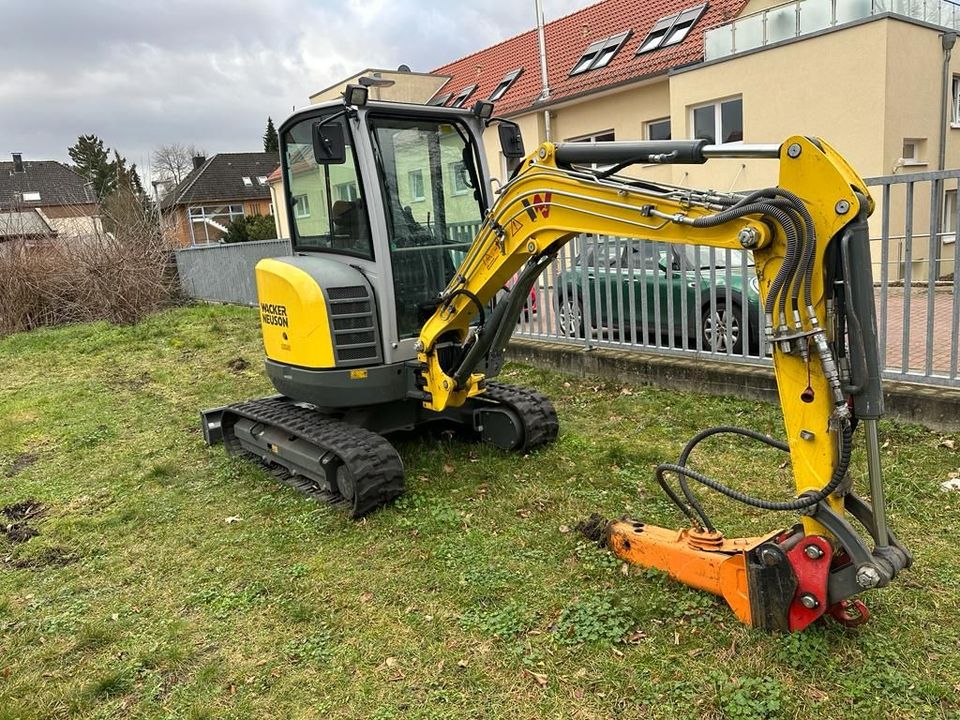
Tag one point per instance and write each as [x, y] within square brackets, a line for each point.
[570, 314]
[722, 327]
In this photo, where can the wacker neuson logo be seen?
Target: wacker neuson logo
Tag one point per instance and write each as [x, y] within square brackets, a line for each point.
[274, 315]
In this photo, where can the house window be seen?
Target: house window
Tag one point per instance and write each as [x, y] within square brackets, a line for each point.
[658, 129]
[912, 153]
[415, 179]
[440, 99]
[208, 223]
[949, 224]
[504, 85]
[346, 191]
[955, 114]
[462, 96]
[719, 122]
[301, 206]
[671, 30]
[247, 182]
[600, 53]
[262, 179]
[31, 196]
[458, 171]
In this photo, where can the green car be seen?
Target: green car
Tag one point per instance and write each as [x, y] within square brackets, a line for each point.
[640, 289]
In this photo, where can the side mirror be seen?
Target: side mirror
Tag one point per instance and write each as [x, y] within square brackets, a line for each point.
[329, 147]
[511, 141]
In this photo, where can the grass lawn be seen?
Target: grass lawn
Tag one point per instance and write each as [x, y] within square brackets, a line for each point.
[169, 581]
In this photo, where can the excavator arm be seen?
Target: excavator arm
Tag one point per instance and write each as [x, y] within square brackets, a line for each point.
[809, 240]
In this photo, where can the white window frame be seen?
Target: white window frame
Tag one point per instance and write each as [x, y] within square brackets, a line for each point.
[508, 80]
[262, 179]
[410, 175]
[247, 182]
[717, 118]
[456, 178]
[659, 121]
[342, 191]
[948, 226]
[463, 95]
[601, 53]
[955, 97]
[199, 215]
[914, 158]
[665, 32]
[30, 196]
[301, 206]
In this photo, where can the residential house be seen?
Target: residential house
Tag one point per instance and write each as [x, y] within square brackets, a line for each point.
[866, 75]
[45, 198]
[217, 191]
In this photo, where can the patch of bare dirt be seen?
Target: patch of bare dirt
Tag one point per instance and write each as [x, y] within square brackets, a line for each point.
[51, 557]
[20, 463]
[24, 510]
[19, 513]
[238, 364]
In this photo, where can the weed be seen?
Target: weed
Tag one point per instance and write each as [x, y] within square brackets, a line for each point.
[748, 698]
[599, 618]
[504, 622]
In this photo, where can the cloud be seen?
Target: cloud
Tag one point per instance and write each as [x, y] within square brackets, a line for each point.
[209, 72]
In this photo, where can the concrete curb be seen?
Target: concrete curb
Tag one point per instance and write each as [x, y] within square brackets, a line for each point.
[937, 408]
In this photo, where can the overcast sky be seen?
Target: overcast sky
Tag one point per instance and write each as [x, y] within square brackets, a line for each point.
[209, 72]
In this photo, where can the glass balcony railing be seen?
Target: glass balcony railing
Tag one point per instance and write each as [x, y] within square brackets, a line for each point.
[802, 17]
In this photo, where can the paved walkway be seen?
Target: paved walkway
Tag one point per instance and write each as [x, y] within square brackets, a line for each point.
[914, 332]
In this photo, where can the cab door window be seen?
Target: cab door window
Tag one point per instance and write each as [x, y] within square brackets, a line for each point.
[329, 206]
[434, 207]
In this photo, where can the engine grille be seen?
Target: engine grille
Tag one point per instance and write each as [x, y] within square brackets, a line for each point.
[353, 321]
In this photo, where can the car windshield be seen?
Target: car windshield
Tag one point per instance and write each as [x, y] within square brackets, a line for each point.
[699, 257]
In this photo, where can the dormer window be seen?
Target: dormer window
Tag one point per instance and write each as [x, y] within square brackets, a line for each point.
[671, 30]
[504, 85]
[462, 96]
[600, 53]
[440, 99]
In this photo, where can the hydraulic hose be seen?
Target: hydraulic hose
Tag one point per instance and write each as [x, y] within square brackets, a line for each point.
[692, 499]
[805, 501]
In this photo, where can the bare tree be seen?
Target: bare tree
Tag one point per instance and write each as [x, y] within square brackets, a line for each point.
[174, 161]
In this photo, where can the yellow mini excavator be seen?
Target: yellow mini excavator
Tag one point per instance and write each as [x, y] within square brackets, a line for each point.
[391, 314]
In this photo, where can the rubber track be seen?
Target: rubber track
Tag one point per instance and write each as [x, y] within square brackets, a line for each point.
[374, 463]
[535, 410]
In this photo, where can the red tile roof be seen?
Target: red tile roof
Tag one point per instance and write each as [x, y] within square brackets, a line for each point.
[568, 37]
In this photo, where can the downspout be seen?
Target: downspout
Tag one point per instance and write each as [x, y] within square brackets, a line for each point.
[947, 41]
[545, 83]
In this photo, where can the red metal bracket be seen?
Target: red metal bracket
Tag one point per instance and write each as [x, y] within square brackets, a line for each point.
[811, 559]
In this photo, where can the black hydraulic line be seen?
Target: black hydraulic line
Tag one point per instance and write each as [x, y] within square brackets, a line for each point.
[470, 296]
[783, 219]
[805, 501]
[696, 440]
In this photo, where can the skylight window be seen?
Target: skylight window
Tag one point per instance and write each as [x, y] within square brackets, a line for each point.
[31, 196]
[462, 96]
[504, 85]
[247, 182]
[440, 99]
[600, 53]
[671, 30]
[262, 179]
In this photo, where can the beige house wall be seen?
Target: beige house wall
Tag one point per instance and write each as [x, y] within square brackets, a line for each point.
[408, 87]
